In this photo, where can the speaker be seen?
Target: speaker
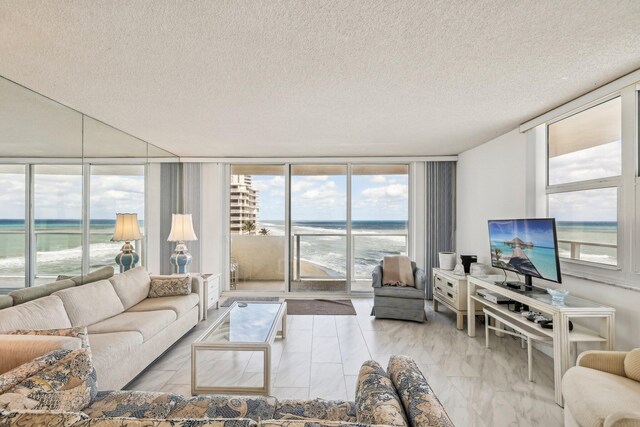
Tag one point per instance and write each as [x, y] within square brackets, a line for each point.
[467, 260]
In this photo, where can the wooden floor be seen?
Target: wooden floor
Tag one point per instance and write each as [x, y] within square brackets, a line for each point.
[321, 357]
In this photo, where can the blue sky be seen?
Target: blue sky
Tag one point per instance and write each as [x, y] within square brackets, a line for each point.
[323, 197]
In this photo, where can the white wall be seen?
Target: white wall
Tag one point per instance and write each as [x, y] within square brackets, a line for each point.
[491, 184]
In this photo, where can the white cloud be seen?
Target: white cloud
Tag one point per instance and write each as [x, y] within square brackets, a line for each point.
[595, 162]
[393, 191]
[378, 179]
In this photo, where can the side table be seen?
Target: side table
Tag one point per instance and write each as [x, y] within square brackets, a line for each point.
[211, 291]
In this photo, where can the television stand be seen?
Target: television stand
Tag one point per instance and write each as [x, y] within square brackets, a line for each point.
[563, 339]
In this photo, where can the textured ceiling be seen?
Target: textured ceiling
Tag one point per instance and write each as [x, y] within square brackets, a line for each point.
[316, 78]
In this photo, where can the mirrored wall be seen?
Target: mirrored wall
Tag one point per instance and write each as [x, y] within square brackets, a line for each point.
[64, 176]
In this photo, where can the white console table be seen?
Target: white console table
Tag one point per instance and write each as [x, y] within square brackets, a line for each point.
[573, 308]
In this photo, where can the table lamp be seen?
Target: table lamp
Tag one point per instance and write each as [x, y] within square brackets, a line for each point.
[181, 231]
[127, 229]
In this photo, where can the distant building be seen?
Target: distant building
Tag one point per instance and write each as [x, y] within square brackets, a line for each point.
[244, 202]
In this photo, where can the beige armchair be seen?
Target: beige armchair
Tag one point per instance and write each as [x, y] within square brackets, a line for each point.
[603, 390]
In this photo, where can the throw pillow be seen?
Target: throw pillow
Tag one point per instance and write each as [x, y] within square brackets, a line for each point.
[376, 399]
[77, 332]
[169, 286]
[69, 385]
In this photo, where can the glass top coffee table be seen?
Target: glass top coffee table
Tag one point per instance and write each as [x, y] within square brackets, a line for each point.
[234, 354]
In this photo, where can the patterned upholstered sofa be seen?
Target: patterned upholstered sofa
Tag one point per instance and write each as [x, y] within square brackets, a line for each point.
[60, 389]
[127, 328]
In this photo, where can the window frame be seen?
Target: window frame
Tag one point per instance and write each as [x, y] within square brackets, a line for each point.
[31, 276]
[627, 273]
[591, 184]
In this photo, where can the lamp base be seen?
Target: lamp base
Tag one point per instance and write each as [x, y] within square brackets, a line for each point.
[180, 259]
[127, 258]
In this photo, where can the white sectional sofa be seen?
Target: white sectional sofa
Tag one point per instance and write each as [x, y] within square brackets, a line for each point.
[127, 330]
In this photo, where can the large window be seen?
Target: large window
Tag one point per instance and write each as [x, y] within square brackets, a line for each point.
[584, 177]
[12, 226]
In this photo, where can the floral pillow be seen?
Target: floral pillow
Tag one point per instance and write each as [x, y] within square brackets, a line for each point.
[168, 286]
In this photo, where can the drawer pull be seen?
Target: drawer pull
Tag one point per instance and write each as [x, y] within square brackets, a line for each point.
[438, 278]
[450, 296]
[450, 284]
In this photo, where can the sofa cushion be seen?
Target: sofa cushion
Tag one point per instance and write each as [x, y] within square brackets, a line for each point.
[376, 399]
[15, 376]
[134, 404]
[6, 301]
[151, 422]
[178, 304]
[132, 286]
[330, 410]
[102, 273]
[111, 348]
[41, 418]
[31, 293]
[421, 405]
[399, 292]
[169, 286]
[91, 303]
[148, 323]
[68, 385]
[590, 408]
[254, 407]
[43, 313]
[632, 364]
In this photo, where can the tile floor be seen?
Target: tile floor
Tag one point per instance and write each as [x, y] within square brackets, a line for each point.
[321, 357]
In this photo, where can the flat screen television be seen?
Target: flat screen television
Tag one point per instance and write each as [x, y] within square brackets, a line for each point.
[526, 246]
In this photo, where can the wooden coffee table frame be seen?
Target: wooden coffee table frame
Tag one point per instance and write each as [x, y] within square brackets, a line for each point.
[265, 347]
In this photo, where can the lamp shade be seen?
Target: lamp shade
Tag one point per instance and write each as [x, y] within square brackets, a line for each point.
[127, 228]
[181, 228]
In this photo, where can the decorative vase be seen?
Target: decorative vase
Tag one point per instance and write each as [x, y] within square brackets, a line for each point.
[447, 260]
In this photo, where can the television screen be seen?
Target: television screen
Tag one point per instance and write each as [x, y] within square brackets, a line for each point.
[526, 246]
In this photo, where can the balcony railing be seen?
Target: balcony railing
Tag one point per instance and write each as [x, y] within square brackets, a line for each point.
[575, 248]
[381, 251]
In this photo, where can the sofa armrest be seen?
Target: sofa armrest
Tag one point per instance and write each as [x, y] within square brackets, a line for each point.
[16, 350]
[605, 361]
[623, 419]
[420, 278]
[376, 276]
[197, 287]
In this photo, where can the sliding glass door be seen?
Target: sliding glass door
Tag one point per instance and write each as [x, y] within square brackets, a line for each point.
[379, 218]
[257, 228]
[315, 227]
[318, 228]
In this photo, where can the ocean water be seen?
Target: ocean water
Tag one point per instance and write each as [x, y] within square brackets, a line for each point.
[58, 246]
[324, 243]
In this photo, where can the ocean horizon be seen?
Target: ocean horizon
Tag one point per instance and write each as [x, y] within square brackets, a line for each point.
[321, 243]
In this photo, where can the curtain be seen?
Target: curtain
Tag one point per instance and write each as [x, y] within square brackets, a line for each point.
[440, 214]
[170, 203]
[191, 204]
